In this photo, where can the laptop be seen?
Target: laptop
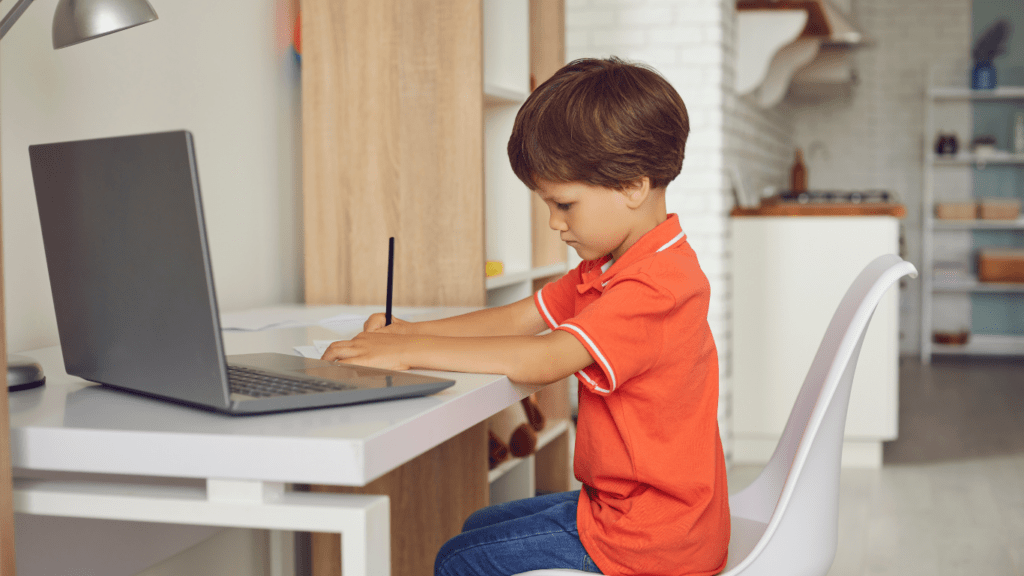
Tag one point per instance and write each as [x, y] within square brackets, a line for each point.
[129, 264]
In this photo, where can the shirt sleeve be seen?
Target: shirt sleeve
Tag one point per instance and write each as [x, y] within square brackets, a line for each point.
[556, 300]
[623, 331]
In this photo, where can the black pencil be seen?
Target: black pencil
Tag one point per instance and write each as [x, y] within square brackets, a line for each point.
[391, 278]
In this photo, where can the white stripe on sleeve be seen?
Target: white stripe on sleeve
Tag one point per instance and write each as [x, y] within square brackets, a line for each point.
[590, 380]
[600, 357]
[544, 309]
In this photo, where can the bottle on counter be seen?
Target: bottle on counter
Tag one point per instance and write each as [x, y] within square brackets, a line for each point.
[798, 174]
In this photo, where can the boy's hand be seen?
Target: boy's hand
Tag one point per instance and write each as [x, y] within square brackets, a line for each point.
[378, 349]
[376, 322]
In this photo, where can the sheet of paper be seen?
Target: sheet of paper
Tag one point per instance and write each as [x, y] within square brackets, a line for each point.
[344, 323]
[308, 352]
[266, 319]
[321, 346]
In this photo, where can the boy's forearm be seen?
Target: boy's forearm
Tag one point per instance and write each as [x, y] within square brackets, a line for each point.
[524, 359]
[517, 319]
[500, 340]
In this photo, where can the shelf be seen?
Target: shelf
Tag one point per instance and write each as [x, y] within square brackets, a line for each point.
[526, 275]
[973, 159]
[506, 51]
[495, 95]
[984, 345]
[953, 296]
[544, 437]
[972, 284]
[978, 224]
[1002, 93]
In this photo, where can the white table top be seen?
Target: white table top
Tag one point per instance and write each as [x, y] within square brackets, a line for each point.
[71, 425]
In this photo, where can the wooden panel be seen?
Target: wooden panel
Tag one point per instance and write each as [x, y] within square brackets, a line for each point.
[431, 496]
[547, 55]
[6, 481]
[392, 110]
[553, 465]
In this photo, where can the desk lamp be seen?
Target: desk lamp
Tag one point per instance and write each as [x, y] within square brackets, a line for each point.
[74, 22]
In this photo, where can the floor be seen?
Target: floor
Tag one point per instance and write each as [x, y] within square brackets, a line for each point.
[949, 499]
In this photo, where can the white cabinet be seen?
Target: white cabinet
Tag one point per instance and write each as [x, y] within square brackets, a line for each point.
[789, 274]
[948, 280]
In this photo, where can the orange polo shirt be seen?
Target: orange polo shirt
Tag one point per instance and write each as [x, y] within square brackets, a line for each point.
[648, 451]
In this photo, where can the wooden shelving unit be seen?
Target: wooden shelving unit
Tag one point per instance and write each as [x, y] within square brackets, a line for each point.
[407, 110]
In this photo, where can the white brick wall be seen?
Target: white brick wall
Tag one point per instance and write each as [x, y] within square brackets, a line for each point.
[691, 43]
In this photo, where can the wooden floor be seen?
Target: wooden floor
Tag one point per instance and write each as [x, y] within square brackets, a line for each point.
[949, 499]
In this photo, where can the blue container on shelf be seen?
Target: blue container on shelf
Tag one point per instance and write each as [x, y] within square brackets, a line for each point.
[983, 76]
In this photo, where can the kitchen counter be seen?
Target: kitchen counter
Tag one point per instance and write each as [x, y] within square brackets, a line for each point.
[774, 208]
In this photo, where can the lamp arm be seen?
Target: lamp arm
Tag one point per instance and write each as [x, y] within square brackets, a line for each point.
[13, 16]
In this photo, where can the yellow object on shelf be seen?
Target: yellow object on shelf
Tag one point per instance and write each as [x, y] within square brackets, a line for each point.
[494, 268]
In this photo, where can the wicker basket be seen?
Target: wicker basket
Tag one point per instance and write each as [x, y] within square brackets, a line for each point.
[1001, 265]
[999, 209]
[956, 211]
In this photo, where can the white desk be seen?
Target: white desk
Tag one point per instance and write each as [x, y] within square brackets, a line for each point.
[72, 426]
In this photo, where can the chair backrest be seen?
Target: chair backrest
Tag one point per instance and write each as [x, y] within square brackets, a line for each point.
[786, 521]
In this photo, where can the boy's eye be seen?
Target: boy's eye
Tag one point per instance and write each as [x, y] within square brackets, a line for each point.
[562, 207]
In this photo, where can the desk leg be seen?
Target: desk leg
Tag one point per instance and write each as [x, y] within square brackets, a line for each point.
[431, 496]
[363, 519]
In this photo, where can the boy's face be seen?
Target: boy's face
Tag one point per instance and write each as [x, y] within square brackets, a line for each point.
[593, 220]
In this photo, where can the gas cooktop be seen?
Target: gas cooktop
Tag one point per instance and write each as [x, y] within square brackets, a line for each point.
[835, 196]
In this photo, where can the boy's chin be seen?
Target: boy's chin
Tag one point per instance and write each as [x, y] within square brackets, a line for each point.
[585, 254]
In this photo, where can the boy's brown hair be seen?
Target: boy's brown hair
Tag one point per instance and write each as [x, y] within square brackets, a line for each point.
[605, 122]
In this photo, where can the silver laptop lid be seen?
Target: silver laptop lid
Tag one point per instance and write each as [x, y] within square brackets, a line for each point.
[129, 266]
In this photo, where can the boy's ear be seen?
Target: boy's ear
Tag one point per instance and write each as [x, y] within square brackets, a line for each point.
[636, 192]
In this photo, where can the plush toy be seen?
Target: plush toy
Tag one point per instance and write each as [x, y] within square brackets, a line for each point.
[519, 426]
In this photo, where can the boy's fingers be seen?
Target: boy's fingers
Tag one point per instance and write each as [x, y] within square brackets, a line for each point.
[378, 321]
[339, 351]
[374, 322]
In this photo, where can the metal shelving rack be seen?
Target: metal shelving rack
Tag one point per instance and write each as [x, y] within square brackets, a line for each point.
[978, 344]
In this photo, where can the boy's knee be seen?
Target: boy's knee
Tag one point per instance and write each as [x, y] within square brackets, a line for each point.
[475, 520]
[443, 564]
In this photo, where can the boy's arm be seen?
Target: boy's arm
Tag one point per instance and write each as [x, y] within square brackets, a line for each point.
[516, 319]
[524, 359]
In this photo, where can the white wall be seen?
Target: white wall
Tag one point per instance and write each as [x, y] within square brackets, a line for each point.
[220, 69]
[223, 70]
[873, 137]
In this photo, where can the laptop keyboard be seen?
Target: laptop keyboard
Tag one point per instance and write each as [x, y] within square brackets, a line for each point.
[260, 384]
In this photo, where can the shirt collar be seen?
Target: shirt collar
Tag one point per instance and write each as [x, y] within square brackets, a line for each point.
[663, 236]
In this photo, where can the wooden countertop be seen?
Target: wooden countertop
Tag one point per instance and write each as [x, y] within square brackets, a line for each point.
[823, 209]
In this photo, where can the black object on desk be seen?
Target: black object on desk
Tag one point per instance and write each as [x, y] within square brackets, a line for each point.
[391, 279]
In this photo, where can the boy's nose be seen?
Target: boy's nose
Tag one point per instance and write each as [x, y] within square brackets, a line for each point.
[555, 222]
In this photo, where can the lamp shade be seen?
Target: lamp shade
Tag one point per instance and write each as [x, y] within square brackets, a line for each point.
[76, 21]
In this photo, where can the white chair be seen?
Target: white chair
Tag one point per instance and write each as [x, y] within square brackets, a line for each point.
[786, 521]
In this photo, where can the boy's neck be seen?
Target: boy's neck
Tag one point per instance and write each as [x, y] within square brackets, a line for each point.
[649, 216]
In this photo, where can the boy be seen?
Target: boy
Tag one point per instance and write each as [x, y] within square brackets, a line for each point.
[599, 142]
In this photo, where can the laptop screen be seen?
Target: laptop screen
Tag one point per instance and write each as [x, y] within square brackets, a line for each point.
[129, 265]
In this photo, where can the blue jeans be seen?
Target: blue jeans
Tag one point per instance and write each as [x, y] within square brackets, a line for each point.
[516, 537]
